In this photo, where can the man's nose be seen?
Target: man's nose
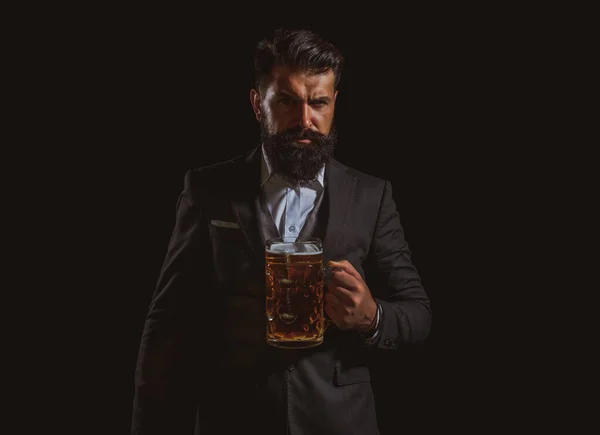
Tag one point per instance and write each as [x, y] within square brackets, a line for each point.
[305, 115]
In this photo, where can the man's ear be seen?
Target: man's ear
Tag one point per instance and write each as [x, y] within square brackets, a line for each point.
[255, 101]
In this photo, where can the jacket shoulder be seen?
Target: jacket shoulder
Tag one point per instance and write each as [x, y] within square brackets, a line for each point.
[216, 176]
[364, 179]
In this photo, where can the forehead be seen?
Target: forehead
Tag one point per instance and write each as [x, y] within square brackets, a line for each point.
[299, 82]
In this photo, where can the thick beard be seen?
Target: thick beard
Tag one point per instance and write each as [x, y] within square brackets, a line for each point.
[298, 163]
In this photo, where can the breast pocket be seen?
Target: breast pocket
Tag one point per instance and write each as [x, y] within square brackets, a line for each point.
[351, 375]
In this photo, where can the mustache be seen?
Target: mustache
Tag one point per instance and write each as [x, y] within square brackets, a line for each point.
[302, 133]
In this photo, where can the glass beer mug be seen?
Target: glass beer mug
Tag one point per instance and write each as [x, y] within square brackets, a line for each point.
[294, 293]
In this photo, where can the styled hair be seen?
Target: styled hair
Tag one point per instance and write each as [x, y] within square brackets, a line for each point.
[300, 50]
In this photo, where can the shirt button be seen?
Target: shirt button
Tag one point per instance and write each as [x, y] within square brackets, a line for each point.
[292, 228]
[291, 367]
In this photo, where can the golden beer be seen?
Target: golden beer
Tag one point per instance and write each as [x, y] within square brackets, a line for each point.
[294, 299]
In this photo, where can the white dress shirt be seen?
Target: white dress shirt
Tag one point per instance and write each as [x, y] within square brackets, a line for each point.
[289, 205]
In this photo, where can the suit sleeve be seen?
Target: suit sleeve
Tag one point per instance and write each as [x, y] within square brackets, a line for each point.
[165, 387]
[406, 311]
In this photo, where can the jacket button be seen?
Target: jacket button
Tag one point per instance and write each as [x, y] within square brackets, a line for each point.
[387, 342]
[291, 367]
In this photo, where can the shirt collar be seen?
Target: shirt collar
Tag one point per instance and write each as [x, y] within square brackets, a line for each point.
[266, 170]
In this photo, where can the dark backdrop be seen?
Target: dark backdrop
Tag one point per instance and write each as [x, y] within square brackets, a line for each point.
[427, 101]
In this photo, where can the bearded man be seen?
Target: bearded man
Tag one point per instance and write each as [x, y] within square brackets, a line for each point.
[204, 363]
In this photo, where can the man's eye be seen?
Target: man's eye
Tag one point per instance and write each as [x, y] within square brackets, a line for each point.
[286, 101]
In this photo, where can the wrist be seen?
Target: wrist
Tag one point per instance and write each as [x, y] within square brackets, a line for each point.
[374, 322]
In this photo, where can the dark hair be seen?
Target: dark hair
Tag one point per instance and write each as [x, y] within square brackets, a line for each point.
[300, 50]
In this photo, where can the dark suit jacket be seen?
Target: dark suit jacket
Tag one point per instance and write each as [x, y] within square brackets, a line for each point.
[203, 358]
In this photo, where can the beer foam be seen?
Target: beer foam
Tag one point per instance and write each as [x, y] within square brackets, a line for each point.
[294, 249]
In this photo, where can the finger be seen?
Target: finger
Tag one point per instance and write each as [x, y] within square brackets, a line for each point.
[343, 295]
[346, 266]
[332, 306]
[344, 279]
[333, 300]
[333, 316]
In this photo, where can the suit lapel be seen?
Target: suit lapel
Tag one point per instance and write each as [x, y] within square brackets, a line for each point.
[245, 201]
[339, 188]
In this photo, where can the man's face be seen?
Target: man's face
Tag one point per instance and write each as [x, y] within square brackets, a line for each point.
[296, 112]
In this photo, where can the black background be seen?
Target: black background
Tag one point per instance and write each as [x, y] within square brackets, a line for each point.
[442, 104]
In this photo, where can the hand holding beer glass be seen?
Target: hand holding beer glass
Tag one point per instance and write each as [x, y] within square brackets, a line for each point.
[294, 293]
